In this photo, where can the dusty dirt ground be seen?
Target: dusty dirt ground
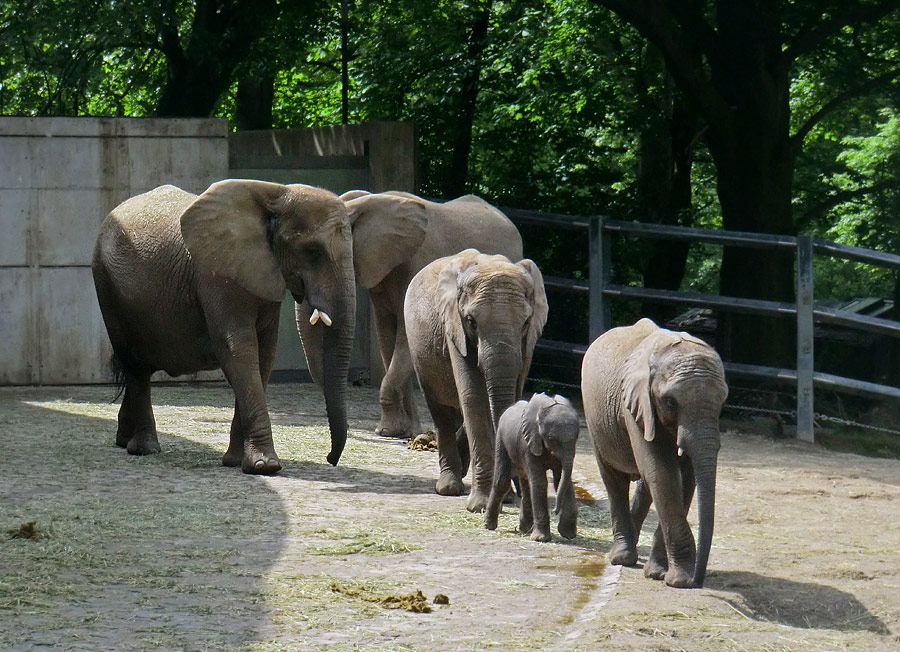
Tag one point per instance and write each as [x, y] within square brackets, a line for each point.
[176, 552]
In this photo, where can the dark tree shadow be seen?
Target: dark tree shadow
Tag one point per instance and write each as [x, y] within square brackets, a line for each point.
[158, 527]
[795, 604]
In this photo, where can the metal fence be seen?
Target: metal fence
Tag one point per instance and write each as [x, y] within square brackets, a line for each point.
[601, 230]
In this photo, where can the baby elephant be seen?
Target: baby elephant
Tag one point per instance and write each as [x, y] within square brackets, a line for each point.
[532, 437]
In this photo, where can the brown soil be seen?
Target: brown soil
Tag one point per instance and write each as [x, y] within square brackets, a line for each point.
[174, 551]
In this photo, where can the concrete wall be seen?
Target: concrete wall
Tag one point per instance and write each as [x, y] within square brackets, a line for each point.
[58, 178]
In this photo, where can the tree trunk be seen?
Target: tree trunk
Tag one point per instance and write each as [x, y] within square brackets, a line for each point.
[253, 106]
[221, 36]
[664, 189]
[457, 175]
[754, 159]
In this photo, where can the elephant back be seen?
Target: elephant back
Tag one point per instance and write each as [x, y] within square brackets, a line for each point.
[468, 222]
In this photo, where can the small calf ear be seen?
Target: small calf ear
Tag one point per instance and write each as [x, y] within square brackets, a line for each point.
[531, 429]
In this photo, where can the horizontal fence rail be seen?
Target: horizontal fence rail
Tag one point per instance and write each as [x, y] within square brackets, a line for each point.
[600, 290]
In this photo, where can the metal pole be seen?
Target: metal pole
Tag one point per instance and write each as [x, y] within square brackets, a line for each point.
[598, 273]
[805, 338]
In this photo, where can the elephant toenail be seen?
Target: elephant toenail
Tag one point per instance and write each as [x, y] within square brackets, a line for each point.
[259, 464]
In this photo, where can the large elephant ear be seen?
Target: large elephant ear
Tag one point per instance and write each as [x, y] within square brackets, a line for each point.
[638, 413]
[387, 231]
[226, 232]
[538, 301]
[448, 292]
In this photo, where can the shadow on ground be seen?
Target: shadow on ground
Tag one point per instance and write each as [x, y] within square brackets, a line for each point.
[137, 552]
[795, 604]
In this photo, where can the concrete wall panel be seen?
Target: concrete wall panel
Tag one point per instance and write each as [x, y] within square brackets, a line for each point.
[16, 340]
[14, 211]
[67, 224]
[74, 345]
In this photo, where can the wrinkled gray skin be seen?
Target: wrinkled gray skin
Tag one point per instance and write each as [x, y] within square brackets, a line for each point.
[534, 437]
[395, 235]
[472, 321]
[188, 283]
[650, 394]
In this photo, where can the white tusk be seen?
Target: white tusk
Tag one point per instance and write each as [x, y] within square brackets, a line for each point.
[313, 318]
[680, 451]
[325, 318]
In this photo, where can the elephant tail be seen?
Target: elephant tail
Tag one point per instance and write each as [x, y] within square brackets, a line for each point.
[117, 367]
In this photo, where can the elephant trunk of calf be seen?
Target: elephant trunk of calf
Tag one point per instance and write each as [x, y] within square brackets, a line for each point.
[566, 505]
[704, 452]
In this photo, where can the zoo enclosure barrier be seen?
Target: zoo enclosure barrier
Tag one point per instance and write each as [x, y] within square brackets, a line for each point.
[599, 289]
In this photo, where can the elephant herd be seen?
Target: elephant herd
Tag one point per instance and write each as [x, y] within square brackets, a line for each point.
[194, 282]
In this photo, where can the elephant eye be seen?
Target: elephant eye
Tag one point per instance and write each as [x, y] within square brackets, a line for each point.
[312, 254]
[670, 403]
[470, 322]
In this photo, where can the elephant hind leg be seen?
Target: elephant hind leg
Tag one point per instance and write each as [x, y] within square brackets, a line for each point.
[136, 432]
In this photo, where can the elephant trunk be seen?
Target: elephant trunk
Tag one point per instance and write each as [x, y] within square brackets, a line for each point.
[328, 344]
[566, 504]
[704, 453]
[337, 348]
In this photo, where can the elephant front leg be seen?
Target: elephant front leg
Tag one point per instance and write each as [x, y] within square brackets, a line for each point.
[447, 421]
[500, 487]
[624, 548]
[537, 481]
[243, 360]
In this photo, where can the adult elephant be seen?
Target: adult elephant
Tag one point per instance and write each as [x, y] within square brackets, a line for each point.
[189, 283]
[395, 235]
[652, 399]
[472, 322]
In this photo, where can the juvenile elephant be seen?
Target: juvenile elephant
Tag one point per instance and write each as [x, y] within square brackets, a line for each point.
[652, 399]
[472, 321]
[534, 437]
[395, 235]
[189, 282]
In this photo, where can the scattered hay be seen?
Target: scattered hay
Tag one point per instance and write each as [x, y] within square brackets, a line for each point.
[28, 531]
[427, 441]
[415, 602]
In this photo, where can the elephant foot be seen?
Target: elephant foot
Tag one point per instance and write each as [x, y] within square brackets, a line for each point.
[490, 517]
[623, 553]
[655, 570]
[259, 462]
[477, 502]
[146, 444]
[541, 536]
[396, 425]
[567, 530]
[233, 458]
[449, 485]
[679, 579]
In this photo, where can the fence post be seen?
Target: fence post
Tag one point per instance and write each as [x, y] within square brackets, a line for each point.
[805, 338]
[598, 277]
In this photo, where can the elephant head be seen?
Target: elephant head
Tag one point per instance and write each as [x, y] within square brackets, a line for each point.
[550, 424]
[673, 389]
[493, 312]
[268, 238]
[392, 228]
